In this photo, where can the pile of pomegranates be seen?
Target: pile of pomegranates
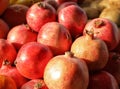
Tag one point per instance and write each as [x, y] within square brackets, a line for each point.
[53, 44]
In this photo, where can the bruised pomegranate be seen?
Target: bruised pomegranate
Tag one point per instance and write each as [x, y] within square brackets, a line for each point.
[20, 35]
[4, 29]
[56, 37]
[34, 84]
[73, 17]
[39, 14]
[102, 80]
[32, 58]
[11, 71]
[93, 50]
[106, 30]
[7, 51]
[66, 72]
[113, 65]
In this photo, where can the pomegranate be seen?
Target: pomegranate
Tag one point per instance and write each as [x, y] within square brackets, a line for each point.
[53, 34]
[15, 14]
[7, 82]
[4, 29]
[7, 51]
[57, 3]
[52, 2]
[34, 84]
[73, 17]
[102, 80]
[3, 6]
[32, 58]
[66, 72]
[11, 71]
[93, 50]
[39, 14]
[113, 65]
[106, 30]
[21, 34]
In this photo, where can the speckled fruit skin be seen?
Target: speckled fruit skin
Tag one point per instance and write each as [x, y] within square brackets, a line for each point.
[66, 72]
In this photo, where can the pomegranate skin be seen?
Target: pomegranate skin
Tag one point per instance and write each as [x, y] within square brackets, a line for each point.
[66, 72]
[7, 51]
[73, 18]
[20, 35]
[34, 17]
[11, 71]
[54, 34]
[34, 84]
[93, 50]
[106, 30]
[35, 55]
[102, 80]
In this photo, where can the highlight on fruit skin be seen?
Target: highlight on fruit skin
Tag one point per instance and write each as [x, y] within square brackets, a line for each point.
[66, 72]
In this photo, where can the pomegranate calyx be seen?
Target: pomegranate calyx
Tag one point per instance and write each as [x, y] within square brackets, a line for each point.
[115, 57]
[99, 23]
[6, 62]
[38, 86]
[42, 5]
[69, 54]
[90, 33]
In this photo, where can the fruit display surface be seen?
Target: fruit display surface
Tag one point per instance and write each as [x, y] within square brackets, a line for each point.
[59, 44]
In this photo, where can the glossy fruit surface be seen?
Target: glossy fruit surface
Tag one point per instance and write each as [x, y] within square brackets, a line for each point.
[20, 35]
[73, 17]
[32, 59]
[34, 17]
[53, 34]
[7, 51]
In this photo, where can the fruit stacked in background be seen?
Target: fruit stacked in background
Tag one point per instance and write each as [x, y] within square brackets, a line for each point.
[59, 44]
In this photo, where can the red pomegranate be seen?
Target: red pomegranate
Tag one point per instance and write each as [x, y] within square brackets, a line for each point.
[113, 65]
[56, 37]
[32, 58]
[102, 80]
[104, 29]
[39, 14]
[34, 84]
[7, 51]
[11, 71]
[73, 17]
[21, 34]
